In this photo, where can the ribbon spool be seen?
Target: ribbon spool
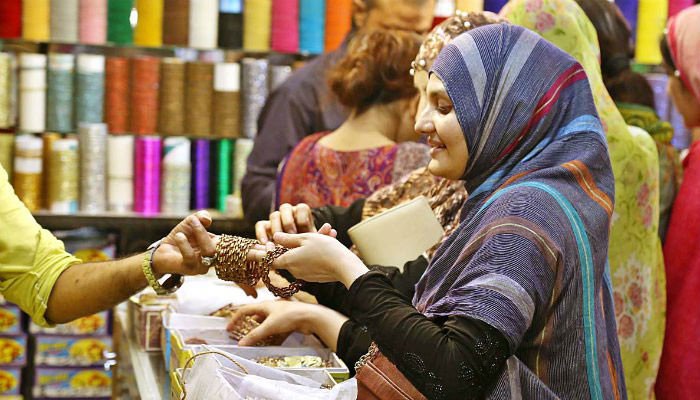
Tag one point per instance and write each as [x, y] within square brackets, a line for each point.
[93, 167]
[200, 174]
[119, 30]
[230, 24]
[176, 176]
[27, 170]
[176, 22]
[200, 76]
[149, 28]
[338, 23]
[312, 21]
[147, 175]
[35, 20]
[120, 173]
[172, 97]
[7, 143]
[117, 76]
[92, 27]
[89, 89]
[64, 21]
[256, 25]
[204, 23]
[32, 92]
[285, 26]
[227, 100]
[7, 90]
[11, 19]
[63, 176]
[59, 113]
[145, 78]
[255, 91]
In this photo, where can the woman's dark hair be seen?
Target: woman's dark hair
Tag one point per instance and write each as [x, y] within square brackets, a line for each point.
[614, 36]
[666, 53]
[631, 87]
[375, 69]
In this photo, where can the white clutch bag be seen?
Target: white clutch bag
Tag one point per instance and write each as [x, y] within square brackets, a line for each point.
[397, 235]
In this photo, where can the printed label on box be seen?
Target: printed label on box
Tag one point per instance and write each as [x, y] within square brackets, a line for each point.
[96, 324]
[10, 379]
[72, 382]
[10, 320]
[71, 350]
[13, 350]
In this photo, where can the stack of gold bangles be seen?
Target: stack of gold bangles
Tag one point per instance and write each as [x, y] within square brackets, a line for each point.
[231, 264]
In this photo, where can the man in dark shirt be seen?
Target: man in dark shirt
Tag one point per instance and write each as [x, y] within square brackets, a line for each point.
[304, 105]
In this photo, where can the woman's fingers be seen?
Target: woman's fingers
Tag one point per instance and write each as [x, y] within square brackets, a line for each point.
[238, 315]
[287, 218]
[275, 223]
[289, 240]
[263, 231]
[249, 290]
[266, 329]
[304, 218]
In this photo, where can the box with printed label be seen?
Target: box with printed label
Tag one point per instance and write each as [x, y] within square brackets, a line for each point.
[96, 324]
[71, 350]
[72, 383]
[13, 350]
[10, 320]
[10, 381]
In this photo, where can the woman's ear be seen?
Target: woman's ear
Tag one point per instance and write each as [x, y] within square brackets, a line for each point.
[685, 101]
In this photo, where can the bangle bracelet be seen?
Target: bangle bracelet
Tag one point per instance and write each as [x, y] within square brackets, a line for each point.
[170, 285]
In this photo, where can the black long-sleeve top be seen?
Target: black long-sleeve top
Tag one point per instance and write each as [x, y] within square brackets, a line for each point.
[451, 358]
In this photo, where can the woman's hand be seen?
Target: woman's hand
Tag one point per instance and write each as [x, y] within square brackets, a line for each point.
[281, 316]
[314, 257]
[289, 219]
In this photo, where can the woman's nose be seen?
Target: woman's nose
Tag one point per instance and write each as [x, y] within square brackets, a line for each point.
[424, 124]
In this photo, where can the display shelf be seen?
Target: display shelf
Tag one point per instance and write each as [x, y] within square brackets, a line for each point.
[148, 368]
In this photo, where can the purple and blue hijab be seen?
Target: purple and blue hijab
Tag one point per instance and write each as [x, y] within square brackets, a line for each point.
[529, 257]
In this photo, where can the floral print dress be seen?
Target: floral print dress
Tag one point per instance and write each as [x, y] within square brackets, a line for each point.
[635, 256]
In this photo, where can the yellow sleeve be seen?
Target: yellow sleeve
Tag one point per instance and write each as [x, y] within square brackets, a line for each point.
[31, 258]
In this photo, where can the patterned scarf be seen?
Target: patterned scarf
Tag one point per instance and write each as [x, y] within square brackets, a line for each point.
[683, 34]
[541, 190]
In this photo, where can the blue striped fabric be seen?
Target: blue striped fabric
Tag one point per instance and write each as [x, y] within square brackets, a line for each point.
[529, 256]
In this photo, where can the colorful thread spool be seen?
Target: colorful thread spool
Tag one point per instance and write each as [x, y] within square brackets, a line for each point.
[176, 22]
[120, 173]
[172, 97]
[147, 175]
[256, 25]
[11, 19]
[35, 20]
[7, 90]
[650, 27]
[255, 90]
[92, 27]
[227, 100]
[64, 21]
[285, 26]
[32, 92]
[119, 30]
[59, 108]
[242, 149]
[145, 79]
[117, 88]
[204, 24]
[149, 26]
[63, 173]
[7, 144]
[338, 22]
[224, 170]
[177, 170]
[230, 24]
[28, 166]
[198, 100]
[93, 167]
[312, 22]
[200, 174]
[89, 88]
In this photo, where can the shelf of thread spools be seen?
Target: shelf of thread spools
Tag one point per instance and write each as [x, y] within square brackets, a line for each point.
[180, 131]
[287, 26]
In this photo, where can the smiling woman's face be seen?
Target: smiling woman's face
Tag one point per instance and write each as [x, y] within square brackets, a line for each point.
[436, 118]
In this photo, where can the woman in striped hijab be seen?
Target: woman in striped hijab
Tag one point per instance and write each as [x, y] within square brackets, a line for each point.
[515, 303]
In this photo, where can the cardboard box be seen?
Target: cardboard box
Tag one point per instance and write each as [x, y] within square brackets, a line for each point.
[96, 324]
[146, 318]
[72, 383]
[10, 382]
[13, 350]
[71, 350]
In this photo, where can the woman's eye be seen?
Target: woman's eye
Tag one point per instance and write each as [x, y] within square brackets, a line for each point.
[444, 109]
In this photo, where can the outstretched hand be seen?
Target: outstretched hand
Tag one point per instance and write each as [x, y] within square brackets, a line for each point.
[182, 250]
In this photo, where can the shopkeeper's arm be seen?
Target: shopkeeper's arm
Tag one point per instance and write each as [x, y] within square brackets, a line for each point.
[49, 284]
[84, 289]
